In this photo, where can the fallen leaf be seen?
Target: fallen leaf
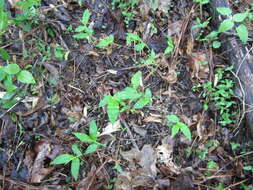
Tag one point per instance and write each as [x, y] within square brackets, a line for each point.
[111, 128]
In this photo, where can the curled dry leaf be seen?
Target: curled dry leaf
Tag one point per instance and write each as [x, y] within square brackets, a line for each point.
[111, 128]
[153, 118]
[198, 65]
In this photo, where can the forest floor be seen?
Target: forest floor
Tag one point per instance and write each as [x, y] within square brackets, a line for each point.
[127, 96]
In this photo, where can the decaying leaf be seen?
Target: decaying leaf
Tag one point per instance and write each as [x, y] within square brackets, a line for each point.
[111, 128]
[153, 118]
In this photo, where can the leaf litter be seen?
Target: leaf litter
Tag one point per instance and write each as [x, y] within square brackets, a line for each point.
[139, 153]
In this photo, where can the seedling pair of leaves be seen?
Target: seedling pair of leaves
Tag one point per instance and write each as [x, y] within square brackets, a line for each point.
[127, 99]
[77, 153]
[176, 125]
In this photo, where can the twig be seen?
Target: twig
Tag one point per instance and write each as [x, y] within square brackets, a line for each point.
[130, 134]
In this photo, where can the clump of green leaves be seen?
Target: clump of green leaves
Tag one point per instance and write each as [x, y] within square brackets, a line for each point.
[84, 31]
[75, 158]
[176, 126]
[221, 95]
[202, 2]
[9, 74]
[128, 99]
[139, 45]
[230, 23]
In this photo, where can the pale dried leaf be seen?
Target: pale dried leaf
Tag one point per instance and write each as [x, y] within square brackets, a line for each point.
[111, 128]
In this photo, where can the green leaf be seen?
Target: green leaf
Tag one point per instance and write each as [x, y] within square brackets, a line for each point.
[80, 28]
[104, 101]
[26, 77]
[83, 137]
[105, 42]
[173, 118]
[62, 159]
[9, 85]
[185, 130]
[226, 25]
[216, 44]
[127, 94]
[86, 17]
[212, 35]
[239, 17]
[136, 80]
[91, 148]
[76, 150]
[224, 11]
[2, 73]
[131, 37]
[170, 46]
[113, 110]
[93, 130]
[12, 69]
[81, 36]
[248, 168]
[75, 166]
[148, 93]
[4, 54]
[140, 46]
[242, 32]
[142, 102]
[175, 130]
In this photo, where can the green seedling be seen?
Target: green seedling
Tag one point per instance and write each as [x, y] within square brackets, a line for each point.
[151, 58]
[84, 31]
[8, 74]
[139, 45]
[127, 99]
[175, 123]
[106, 41]
[170, 46]
[211, 165]
[248, 168]
[75, 158]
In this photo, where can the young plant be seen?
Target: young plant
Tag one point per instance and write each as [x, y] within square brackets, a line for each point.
[84, 31]
[77, 153]
[175, 123]
[8, 74]
[139, 45]
[127, 99]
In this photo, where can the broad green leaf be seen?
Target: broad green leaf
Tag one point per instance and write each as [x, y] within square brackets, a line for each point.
[93, 130]
[212, 35]
[76, 150]
[83, 137]
[226, 25]
[118, 167]
[140, 46]
[26, 77]
[4, 54]
[91, 148]
[242, 32]
[127, 94]
[9, 86]
[174, 130]
[9, 104]
[80, 28]
[12, 69]
[173, 118]
[113, 110]
[62, 159]
[81, 36]
[136, 80]
[248, 168]
[142, 102]
[239, 17]
[86, 17]
[185, 130]
[104, 101]
[224, 11]
[8, 95]
[105, 42]
[75, 166]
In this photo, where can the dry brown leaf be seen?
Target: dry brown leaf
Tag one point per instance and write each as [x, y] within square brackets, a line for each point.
[199, 70]
[153, 118]
[175, 28]
[111, 128]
